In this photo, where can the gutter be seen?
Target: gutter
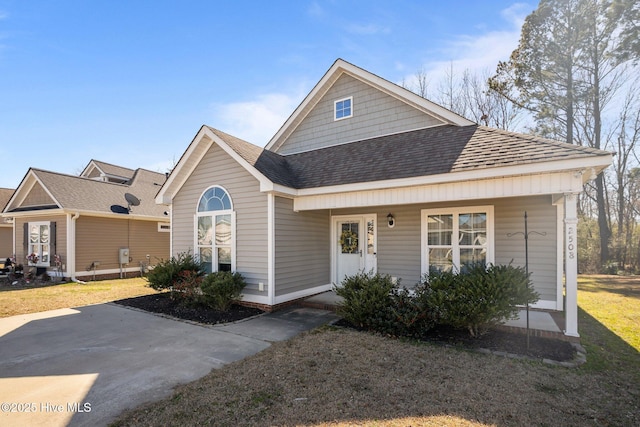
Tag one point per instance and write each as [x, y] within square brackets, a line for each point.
[71, 246]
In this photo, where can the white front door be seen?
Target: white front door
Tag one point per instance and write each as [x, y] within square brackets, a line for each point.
[355, 246]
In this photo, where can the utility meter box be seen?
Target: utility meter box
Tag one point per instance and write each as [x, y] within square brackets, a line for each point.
[124, 256]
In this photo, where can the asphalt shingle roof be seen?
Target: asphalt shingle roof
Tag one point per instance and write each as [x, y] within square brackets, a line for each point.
[424, 152]
[84, 194]
[5, 195]
[114, 170]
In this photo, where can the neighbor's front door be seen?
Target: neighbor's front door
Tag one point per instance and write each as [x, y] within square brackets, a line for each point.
[355, 246]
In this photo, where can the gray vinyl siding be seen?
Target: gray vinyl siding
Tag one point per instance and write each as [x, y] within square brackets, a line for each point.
[302, 248]
[374, 113]
[542, 218]
[399, 248]
[250, 206]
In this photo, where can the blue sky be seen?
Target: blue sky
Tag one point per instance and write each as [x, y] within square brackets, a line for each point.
[131, 82]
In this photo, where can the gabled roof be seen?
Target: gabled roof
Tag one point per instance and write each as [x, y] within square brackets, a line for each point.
[107, 169]
[438, 151]
[341, 67]
[81, 194]
[5, 195]
[426, 152]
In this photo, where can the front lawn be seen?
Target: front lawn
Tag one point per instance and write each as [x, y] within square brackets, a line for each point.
[16, 300]
[341, 377]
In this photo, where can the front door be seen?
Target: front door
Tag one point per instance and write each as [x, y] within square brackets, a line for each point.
[354, 246]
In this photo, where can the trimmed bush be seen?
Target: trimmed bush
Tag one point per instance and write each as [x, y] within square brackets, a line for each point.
[181, 274]
[478, 298]
[411, 316]
[222, 289]
[366, 300]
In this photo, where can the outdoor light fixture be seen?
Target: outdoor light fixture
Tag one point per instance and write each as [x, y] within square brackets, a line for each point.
[391, 221]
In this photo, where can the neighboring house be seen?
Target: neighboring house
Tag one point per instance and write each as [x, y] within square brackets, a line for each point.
[102, 223]
[365, 175]
[6, 227]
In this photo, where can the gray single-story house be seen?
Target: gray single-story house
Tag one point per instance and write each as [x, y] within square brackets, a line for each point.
[366, 175]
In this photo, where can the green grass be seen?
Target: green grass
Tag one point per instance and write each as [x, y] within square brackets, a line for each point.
[32, 299]
[609, 315]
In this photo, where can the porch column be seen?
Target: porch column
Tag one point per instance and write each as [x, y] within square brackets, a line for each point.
[571, 264]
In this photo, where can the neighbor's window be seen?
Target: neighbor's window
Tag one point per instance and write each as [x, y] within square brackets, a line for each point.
[215, 224]
[343, 108]
[39, 234]
[455, 238]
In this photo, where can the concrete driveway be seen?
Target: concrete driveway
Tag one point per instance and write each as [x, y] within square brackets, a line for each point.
[84, 366]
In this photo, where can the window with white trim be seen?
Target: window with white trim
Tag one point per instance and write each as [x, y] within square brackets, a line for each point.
[343, 108]
[457, 237]
[39, 234]
[215, 225]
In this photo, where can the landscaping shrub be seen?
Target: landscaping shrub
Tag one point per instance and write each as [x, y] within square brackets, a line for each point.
[367, 300]
[222, 289]
[478, 298]
[410, 314]
[181, 274]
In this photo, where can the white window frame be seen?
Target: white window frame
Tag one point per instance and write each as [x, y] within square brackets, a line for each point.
[335, 108]
[425, 213]
[30, 246]
[213, 214]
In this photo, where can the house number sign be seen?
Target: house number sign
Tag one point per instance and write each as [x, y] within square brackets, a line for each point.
[571, 241]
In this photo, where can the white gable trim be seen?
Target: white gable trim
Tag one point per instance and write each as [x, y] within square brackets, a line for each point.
[192, 157]
[25, 188]
[338, 68]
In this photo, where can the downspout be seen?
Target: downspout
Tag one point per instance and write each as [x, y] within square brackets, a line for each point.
[71, 248]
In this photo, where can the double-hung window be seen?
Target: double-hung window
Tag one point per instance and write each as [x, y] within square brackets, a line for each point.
[457, 237]
[215, 230]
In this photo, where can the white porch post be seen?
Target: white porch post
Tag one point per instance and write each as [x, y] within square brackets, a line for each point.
[571, 264]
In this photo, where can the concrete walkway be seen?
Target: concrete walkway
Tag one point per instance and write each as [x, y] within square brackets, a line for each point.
[84, 366]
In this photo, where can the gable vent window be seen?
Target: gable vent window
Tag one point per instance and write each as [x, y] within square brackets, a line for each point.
[343, 108]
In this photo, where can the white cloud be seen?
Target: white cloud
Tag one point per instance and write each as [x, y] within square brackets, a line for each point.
[256, 120]
[367, 29]
[478, 53]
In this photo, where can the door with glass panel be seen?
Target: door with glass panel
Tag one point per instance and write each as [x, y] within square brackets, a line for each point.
[355, 246]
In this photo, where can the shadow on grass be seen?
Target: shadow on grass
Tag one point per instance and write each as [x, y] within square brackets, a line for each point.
[6, 286]
[622, 285]
[606, 351]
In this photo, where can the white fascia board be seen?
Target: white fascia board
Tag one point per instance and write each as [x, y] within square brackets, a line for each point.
[94, 214]
[199, 147]
[195, 151]
[471, 175]
[25, 187]
[404, 95]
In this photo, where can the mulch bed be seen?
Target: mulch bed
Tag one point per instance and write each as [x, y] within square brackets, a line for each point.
[494, 340]
[162, 303]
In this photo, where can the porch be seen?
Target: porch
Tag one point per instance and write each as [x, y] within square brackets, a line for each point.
[542, 323]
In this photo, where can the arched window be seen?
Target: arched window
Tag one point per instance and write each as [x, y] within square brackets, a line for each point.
[215, 224]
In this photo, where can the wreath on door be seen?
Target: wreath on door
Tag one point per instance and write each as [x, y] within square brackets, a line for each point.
[349, 242]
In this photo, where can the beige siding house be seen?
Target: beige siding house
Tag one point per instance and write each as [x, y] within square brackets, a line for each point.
[102, 223]
[365, 175]
[6, 227]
